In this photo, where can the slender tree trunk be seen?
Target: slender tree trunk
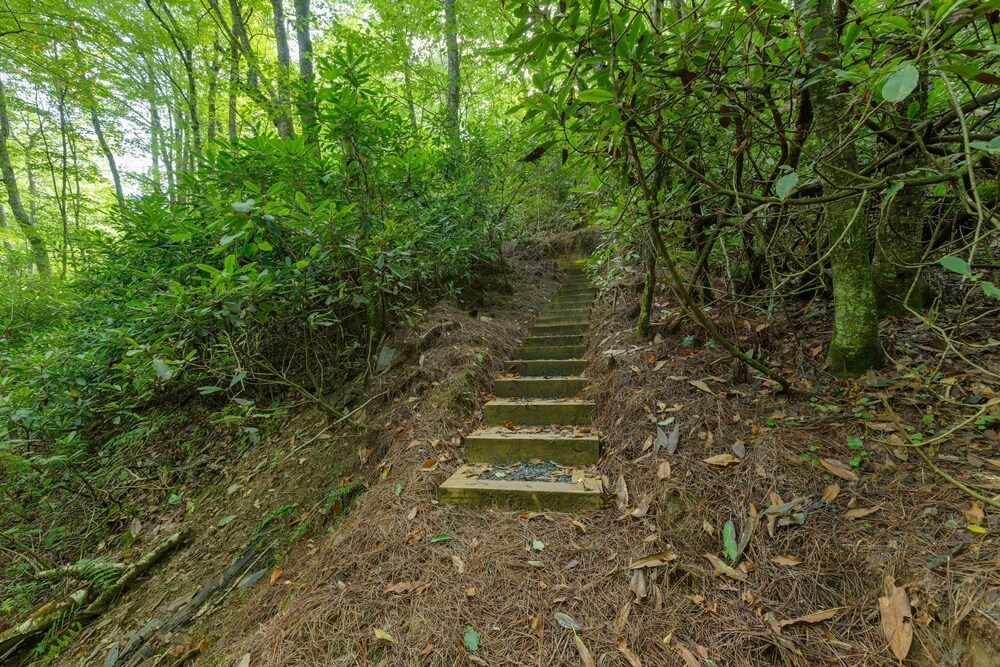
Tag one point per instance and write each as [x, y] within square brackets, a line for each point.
[451, 41]
[77, 195]
[167, 151]
[855, 347]
[110, 157]
[155, 139]
[3, 229]
[283, 117]
[64, 200]
[213, 94]
[234, 88]
[307, 100]
[407, 84]
[39, 253]
[899, 247]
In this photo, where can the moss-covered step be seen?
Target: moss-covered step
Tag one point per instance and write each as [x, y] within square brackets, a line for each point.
[547, 367]
[550, 352]
[567, 339]
[566, 310]
[544, 387]
[576, 298]
[564, 446]
[557, 329]
[538, 412]
[467, 487]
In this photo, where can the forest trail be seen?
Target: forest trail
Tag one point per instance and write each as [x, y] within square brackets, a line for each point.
[536, 429]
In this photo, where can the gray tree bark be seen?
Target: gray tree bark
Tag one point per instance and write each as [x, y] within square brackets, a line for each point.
[454, 79]
[283, 117]
[307, 101]
[855, 347]
[110, 157]
[39, 252]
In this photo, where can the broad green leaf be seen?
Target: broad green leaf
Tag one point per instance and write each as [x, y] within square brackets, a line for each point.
[729, 541]
[900, 83]
[162, 369]
[471, 638]
[243, 206]
[956, 265]
[596, 95]
[990, 289]
[786, 184]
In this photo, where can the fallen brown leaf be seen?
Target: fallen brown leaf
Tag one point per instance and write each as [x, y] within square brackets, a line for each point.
[621, 493]
[630, 657]
[275, 573]
[860, 512]
[789, 561]
[698, 384]
[815, 617]
[841, 470]
[663, 470]
[689, 659]
[721, 460]
[897, 619]
[653, 560]
[429, 464]
[585, 657]
[830, 493]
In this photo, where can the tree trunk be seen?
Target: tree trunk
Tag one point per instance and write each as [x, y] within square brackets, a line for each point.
[648, 290]
[307, 100]
[213, 94]
[234, 88]
[451, 40]
[855, 347]
[39, 253]
[407, 84]
[899, 247]
[283, 119]
[64, 200]
[3, 229]
[110, 157]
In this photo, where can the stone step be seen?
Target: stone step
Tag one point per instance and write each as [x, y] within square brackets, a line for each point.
[572, 298]
[558, 329]
[538, 341]
[466, 487]
[556, 387]
[568, 305]
[567, 446]
[550, 352]
[567, 312]
[561, 319]
[538, 412]
[577, 315]
[547, 367]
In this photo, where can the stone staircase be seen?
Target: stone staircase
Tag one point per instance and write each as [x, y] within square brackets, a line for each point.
[537, 440]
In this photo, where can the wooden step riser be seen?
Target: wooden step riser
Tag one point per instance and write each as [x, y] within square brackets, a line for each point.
[550, 352]
[539, 341]
[566, 413]
[562, 451]
[539, 387]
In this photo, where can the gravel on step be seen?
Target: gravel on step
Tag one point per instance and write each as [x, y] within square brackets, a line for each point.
[527, 471]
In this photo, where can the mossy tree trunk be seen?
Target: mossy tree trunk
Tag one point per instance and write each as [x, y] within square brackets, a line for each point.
[855, 347]
[899, 247]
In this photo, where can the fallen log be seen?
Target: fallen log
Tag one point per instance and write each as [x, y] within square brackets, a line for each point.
[84, 603]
